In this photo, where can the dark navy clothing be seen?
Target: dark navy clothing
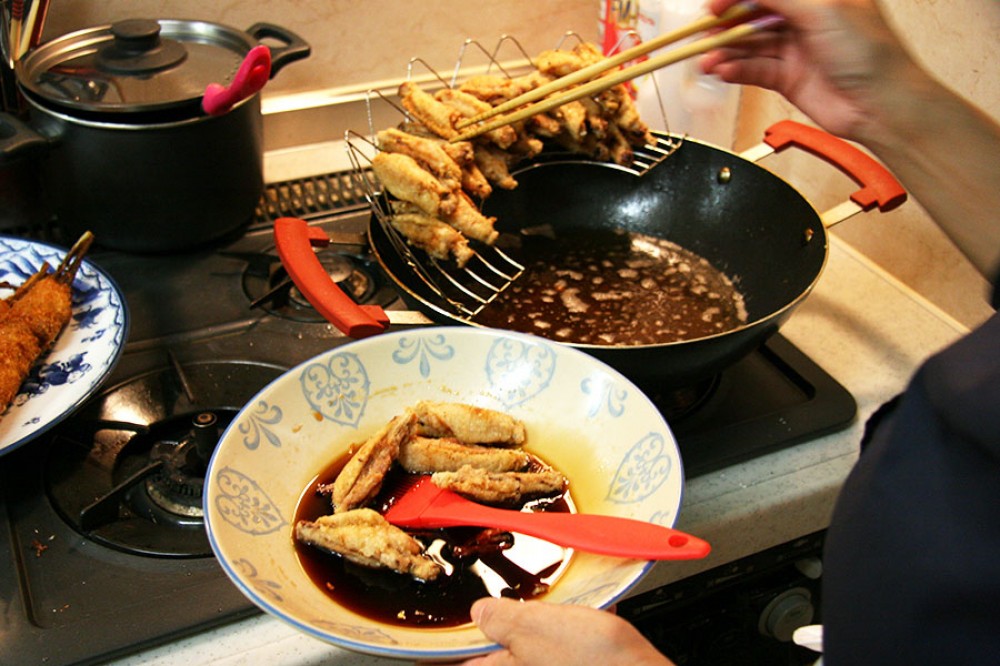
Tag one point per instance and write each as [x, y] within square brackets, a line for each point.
[912, 558]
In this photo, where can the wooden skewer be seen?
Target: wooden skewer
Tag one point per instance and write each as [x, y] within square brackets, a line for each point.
[611, 80]
[735, 13]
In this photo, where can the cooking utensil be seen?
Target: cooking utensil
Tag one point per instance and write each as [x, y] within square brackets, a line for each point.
[424, 505]
[591, 88]
[131, 154]
[747, 221]
[739, 11]
[253, 73]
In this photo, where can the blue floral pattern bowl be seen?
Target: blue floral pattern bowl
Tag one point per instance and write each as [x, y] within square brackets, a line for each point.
[84, 353]
[581, 416]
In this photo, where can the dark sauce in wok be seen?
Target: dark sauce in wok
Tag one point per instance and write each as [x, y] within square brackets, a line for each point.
[609, 287]
[477, 563]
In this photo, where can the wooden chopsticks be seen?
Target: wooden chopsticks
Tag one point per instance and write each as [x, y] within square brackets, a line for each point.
[738, 12]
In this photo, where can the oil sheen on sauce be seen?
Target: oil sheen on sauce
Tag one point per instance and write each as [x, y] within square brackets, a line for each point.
[611, 287]
[477, 563]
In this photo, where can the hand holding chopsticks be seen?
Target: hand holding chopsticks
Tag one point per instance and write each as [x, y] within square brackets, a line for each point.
[739, 12]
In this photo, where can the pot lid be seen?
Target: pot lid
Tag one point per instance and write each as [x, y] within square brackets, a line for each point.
[135, 65]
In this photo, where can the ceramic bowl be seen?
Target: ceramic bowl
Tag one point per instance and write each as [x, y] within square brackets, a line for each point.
[582, 417]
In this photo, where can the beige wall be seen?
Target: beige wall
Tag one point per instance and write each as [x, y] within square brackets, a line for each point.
[357, 42]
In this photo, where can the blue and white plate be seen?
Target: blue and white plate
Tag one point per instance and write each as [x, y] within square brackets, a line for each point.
[581, 416]
[83, 354]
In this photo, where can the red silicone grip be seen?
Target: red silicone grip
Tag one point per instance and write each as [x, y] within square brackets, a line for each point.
[294, 240]
[878, 186]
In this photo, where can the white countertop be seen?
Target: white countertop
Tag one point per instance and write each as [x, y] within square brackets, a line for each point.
[862, 326]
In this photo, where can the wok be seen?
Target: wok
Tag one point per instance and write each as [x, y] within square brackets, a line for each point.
[745, 220]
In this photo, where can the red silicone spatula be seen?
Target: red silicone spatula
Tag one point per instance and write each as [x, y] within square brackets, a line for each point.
[426, 505]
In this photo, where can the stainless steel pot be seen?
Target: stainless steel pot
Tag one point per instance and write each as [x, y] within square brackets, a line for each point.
[131, 155]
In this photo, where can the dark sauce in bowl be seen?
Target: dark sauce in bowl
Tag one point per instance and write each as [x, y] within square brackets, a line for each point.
[477, 563]
[612, 287]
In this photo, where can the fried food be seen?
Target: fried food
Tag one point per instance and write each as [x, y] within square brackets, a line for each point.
[469, 106]
[33, 317]
[438, 239]
[500, 488]
[468, 424]
[405, 179]
[428, 153]
[425, 455]
[439, 118]
[364, 537]
[470, 221]
[361, 479]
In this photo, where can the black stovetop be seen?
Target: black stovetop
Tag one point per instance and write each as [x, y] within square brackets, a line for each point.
[87, 589]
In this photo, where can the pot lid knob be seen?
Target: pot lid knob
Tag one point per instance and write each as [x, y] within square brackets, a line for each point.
[137, 47]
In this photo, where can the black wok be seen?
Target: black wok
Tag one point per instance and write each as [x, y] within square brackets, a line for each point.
[748, 222]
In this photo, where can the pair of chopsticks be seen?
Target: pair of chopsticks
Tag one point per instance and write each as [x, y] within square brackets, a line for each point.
[742, 14]
[26, 19]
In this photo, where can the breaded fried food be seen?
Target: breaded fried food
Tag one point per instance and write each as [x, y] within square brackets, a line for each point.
[364, 537]
[491, 88]
[439, 118]
[502, 487]
[426, 455]
[362, 476]
[438, 239]
[403, 177]
[429, 153]
[468, 219]
[468, 424]
[494, 164]
[469, 106]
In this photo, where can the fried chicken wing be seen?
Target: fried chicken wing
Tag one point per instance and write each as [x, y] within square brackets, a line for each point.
[429, 153]
[438, 239]
[362, 476]
[426, 455]
[436, 116]
[468, 424]
[364, 537]
[500, 488]
[469, 220]
[469, 106]
[404, 178]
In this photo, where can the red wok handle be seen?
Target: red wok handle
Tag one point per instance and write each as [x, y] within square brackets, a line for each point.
[295, 241]
[878, 186]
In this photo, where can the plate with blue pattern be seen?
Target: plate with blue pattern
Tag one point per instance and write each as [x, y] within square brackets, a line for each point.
[582, 417]
[82, 356]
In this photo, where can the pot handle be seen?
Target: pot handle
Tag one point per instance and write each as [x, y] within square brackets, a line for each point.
[17, 139]
[295, 240]
[295, 48]
[878, 186]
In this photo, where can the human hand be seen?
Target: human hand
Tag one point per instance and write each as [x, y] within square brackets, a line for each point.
[538, 633]
[837, 60]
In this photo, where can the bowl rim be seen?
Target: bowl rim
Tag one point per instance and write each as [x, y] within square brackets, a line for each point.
[398, 652]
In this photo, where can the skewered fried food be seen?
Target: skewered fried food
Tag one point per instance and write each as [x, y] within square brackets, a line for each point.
[364, 537]
[33, 317]
[499, 488]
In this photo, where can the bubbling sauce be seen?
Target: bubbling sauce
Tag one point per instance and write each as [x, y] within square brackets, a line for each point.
[611, 287]
[477, 563]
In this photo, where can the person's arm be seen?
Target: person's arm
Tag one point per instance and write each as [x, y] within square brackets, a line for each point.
[841, 64]
[534, 633]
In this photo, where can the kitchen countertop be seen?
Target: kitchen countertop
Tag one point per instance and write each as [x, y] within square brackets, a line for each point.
[865, 328]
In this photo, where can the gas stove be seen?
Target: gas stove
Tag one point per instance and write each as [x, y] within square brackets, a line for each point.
[104, 550]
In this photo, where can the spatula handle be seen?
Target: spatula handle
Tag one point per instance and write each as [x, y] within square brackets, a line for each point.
[594, 533]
